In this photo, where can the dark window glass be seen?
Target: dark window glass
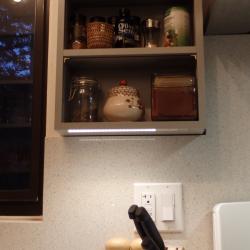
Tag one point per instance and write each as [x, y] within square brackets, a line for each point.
[16, 92]
[16, 39]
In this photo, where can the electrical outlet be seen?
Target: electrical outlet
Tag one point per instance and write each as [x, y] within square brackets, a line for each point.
[148, 201]
[163, 201]
[147, 198]
[174, 248]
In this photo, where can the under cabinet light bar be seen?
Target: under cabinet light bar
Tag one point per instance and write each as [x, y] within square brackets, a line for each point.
[83, 131]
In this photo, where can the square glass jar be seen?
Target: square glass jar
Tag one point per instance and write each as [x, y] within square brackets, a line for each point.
[174, 98]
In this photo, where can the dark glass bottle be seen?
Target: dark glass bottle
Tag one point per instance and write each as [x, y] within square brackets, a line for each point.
[125, 36]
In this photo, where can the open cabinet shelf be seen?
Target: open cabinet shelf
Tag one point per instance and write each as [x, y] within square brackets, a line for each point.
[137, 65]
[124, 52]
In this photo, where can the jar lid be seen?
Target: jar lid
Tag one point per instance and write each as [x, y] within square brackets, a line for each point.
[124, 90]
[84, 81]
[97, 19]
[151, 23]
[171, 81]
[176, 8]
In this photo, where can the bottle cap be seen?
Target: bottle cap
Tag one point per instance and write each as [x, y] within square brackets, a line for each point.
[124, 12]
[97, 19]
[151, 23]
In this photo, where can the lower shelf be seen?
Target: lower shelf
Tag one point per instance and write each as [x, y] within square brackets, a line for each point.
[132, 128]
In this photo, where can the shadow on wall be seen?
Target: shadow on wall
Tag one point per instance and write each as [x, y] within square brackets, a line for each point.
[233, 58]
[228, 101]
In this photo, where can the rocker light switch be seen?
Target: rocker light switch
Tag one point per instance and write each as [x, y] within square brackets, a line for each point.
[168, 206]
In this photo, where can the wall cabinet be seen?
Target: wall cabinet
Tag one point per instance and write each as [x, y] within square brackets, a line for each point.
[22, 106]
[136, 65]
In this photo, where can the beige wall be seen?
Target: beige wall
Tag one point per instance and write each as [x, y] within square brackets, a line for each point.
[89, 181]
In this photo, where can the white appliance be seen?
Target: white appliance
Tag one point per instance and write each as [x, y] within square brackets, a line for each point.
[231, 224]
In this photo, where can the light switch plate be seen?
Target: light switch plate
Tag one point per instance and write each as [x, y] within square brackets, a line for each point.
[159, 190]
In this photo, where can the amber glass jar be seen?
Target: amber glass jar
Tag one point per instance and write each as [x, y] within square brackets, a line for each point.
[174, 98]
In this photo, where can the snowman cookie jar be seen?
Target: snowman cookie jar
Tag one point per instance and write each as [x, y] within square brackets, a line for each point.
[123, 104]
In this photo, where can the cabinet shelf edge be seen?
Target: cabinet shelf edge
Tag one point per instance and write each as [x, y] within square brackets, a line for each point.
[130, 52]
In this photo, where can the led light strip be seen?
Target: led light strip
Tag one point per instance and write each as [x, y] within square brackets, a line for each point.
[83, 131]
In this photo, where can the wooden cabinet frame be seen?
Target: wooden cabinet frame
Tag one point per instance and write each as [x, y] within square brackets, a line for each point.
[128, 128]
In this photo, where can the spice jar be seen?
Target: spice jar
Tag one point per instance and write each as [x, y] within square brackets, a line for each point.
[177, 27]
[84, 100]
[78, 36]
[151, 32]
[100, 34]
[174, 97]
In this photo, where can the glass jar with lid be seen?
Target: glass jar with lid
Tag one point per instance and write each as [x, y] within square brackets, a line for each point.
[78, 34]
[151, 33]
[174, 97]
[84, 99]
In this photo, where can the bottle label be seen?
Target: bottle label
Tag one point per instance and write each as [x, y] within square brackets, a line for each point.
[125, 29]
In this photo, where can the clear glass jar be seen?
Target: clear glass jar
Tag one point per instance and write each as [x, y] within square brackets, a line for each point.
[151, 33]
[84, 100]
[78, 33]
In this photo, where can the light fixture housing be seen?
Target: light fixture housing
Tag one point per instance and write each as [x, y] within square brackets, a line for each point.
[89, 131]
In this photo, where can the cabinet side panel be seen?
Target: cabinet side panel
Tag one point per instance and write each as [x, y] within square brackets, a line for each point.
[199, 41]
[59, 66]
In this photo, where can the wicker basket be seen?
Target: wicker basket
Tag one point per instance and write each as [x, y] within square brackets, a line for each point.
[99, 35]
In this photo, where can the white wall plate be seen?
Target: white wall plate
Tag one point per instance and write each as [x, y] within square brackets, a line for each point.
[167, 210]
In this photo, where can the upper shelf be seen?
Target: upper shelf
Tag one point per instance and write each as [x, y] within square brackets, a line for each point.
[126, 2]
[115, 52]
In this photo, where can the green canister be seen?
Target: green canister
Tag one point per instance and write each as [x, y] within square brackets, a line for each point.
[177, 27]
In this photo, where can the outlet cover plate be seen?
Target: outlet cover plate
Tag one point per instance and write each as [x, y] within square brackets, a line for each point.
[159, 189]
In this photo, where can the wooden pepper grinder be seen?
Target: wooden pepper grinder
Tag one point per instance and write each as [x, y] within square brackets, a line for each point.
[117, 244]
